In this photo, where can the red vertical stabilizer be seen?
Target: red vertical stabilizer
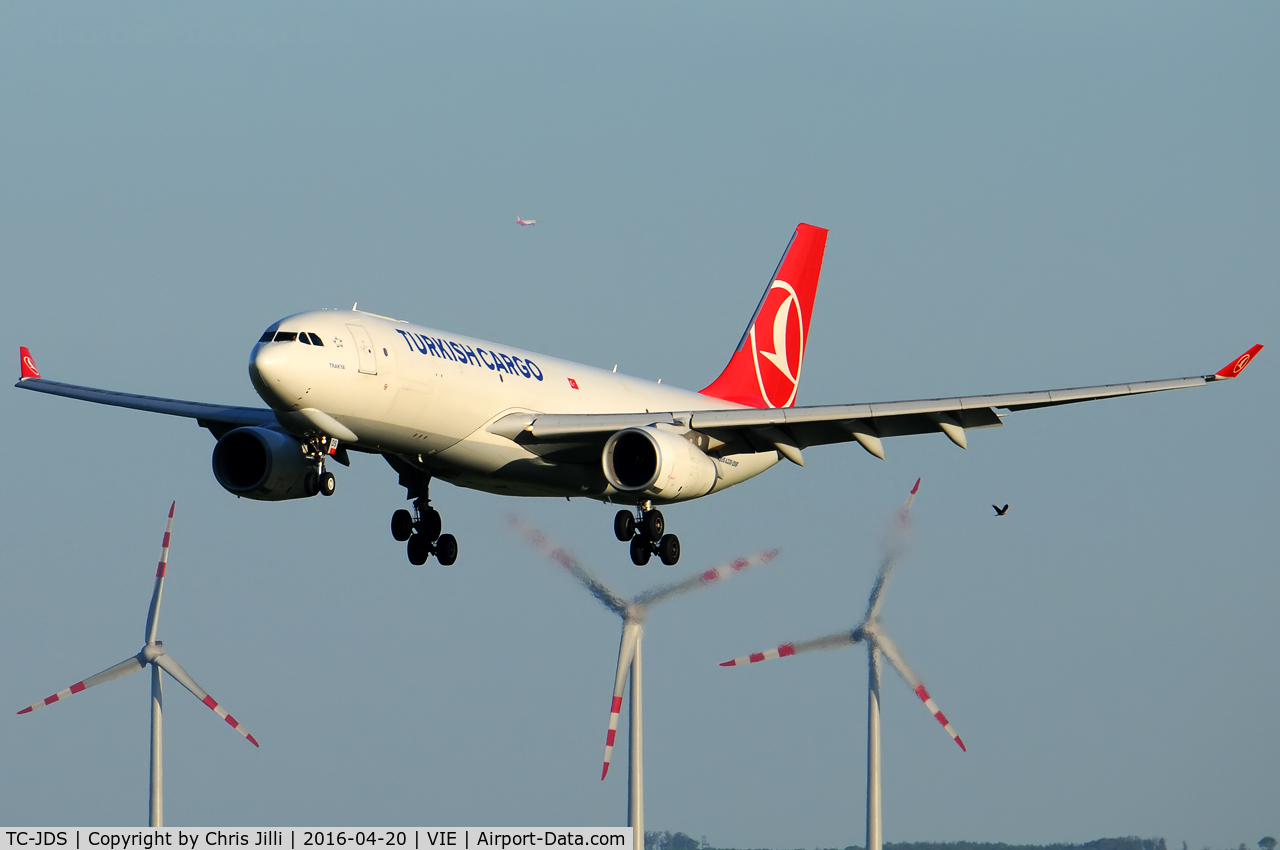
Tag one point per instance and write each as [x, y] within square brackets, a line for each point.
[764, 371]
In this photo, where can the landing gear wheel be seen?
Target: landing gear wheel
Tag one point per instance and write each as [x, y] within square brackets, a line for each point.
[327, 484]
[401, 525]
[669, 549]
[419, 550]
[653, 525]
[641, 551]
[624, 526]
[311, 484]
[446, 550]
[429, 524]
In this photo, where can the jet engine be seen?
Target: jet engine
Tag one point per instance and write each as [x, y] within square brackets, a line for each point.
[657, 463]
[259, 463]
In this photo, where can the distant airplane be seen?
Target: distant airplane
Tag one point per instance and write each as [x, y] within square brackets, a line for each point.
[524, 223]
[1001, 511]
[442, 407]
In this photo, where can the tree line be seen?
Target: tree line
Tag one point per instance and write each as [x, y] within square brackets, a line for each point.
[681, 841]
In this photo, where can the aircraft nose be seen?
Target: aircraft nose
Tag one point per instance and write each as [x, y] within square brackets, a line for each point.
[273, 372]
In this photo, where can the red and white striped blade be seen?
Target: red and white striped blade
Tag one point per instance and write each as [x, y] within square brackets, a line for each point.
[626, 652]
[174, 669]
[829, 642]
[895, 548]
[704, 578]
[153, 613]
[912, 497]
[124, 668]
[891, 652]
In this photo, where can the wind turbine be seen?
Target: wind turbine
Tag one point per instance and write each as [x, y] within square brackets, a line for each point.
[152, 653]
[871, 632]
[633, 613]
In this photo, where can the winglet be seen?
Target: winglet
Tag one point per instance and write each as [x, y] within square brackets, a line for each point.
[29, 369]
[1231, 370]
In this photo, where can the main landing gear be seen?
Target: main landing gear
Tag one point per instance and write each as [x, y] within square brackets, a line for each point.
[421, 529]
[647, 535]
[316, 450]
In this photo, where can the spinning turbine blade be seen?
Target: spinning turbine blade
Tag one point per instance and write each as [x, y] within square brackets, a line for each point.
[626, 651]
[153, 613]
[564, 558]
[895, 548]
[174, 669]
[632, 613]
[890, 649]
[704, 578]
[912, 497]
[124, 668]
[829, 642]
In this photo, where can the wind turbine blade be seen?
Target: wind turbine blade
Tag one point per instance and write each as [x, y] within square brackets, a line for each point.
[704, 578]
[124, 668]
[891, 652]
[912, 497]
[626, 651]
[895, 548]
[174, 669]
[829, 642]
[564, 558]
[153, 613]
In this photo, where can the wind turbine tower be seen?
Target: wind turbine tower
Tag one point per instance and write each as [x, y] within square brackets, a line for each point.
[153, 654]
[871, 632]
[633, 613]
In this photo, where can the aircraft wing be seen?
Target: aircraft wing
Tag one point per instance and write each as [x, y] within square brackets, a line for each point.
[218, 418]
[793, 428]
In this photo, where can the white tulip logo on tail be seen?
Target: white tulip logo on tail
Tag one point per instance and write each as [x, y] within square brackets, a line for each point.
[764, 369]
[779, 379]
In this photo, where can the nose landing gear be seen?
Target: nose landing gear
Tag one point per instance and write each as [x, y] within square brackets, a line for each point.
[647, 536]
[321, 481]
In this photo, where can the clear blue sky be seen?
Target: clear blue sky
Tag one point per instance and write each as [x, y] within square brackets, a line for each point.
[1020, 196]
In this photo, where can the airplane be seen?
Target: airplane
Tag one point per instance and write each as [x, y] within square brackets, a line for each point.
[1001, 511]
[495, 418]
[524, 223]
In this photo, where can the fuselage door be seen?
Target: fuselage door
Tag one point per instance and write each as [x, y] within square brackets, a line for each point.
[365, 349]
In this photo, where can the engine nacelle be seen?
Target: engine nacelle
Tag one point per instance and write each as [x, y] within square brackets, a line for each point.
[657, 463]
[259, 463]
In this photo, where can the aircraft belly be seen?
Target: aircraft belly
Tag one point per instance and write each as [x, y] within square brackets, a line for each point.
[484, 453]
[527, 476]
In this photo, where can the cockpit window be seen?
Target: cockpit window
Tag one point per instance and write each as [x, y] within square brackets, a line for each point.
[304, 337]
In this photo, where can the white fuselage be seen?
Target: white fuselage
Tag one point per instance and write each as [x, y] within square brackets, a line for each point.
[429, 395]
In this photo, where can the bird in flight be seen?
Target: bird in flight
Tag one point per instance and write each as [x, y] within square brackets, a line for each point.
[1001, 511]
[524, 223]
